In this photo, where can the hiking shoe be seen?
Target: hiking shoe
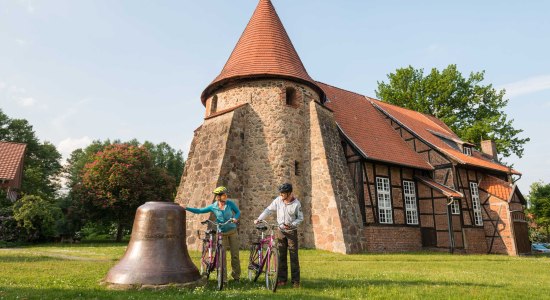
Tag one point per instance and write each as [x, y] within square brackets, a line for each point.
[281, 283]
[296, 285]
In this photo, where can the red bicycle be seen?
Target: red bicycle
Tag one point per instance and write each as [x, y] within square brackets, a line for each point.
[264, 253]
[213, 253]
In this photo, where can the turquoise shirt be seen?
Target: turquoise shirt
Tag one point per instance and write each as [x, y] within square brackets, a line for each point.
[230, 211]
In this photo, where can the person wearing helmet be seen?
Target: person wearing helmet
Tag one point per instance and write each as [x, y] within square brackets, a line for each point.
[289, 216]
[225, 209]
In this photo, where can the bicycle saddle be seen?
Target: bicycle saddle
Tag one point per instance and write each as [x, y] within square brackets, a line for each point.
[210, 231]
[261, 227]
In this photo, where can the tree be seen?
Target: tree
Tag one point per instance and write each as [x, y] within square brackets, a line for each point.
[36, 216]
[42, 160]
[539, 197]
[118, 180]
[472, 110]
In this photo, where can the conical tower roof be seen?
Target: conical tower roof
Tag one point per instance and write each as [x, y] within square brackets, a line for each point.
[264, 50]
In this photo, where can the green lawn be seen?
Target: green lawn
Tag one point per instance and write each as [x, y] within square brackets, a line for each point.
[74, 272]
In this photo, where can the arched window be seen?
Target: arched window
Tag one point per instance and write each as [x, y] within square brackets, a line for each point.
[213, 104]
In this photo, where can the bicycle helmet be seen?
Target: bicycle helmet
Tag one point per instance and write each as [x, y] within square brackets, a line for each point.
[220, 190]
[285, 188]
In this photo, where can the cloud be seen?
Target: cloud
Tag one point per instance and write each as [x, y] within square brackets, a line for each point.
[527, 86]
[28, 4]
[68, 145]
[21, 42]
[27, 102]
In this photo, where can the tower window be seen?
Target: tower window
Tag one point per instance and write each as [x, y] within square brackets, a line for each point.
[213, 104]
[291, 97]
[297, 170]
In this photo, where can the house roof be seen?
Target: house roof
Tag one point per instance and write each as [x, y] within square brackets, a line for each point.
[264, 50]
[445, 190]
[499, 188]
[430, 130]
[11, 157]
[367, 129]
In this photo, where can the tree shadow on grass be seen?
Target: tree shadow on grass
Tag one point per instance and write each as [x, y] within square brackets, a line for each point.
[240, 292]
[363, 283]
[23, 259]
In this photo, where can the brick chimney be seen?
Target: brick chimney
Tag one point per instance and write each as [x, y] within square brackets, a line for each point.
[489, 147]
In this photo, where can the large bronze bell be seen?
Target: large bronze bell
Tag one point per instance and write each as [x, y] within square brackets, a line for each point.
[157, 252]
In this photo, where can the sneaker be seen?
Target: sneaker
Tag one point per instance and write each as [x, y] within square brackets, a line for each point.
[281, 283]
[296, 285]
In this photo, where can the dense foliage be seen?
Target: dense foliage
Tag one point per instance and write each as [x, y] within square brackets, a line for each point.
[118, 180]
[37, 217]
[42, 160]
[539, 197]
[474, 111]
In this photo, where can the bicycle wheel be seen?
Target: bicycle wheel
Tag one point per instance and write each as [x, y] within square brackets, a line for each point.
[220, 266]
[272, 270]
[205, 260]
[254, 269]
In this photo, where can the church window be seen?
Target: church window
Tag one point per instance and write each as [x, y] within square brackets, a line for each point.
[411, 210]
[291, 97]
[384, 200]
[214, 104]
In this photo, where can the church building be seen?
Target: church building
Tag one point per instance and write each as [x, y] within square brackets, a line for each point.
[371, 176]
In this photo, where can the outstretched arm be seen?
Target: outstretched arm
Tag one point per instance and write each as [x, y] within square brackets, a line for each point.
[269, 210]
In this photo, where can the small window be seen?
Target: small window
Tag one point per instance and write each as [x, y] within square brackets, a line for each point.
[476, 204]
[297, 170]
[214, 104]
[384, 200]
[455, 207]
[291, 97]
[411, 210]
[467, 150]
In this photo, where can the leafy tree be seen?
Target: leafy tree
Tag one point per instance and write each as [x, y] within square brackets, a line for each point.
[76, 215]
[118, 181]
[539, 196]
[42, 160]
[36, 216]
[472, 110]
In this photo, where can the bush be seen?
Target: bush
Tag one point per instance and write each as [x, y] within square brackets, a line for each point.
[37, 217]
[9, 232]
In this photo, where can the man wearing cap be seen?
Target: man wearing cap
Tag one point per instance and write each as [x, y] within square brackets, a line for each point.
[224, 210]
[289, 216]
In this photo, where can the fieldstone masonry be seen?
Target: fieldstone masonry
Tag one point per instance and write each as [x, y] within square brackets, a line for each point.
[253, 142]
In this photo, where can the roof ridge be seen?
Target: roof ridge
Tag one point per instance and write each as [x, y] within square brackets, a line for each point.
[10, 142]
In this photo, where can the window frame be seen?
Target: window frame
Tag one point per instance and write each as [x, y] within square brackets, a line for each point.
[455, 207]
[467, 150]
[411, 207]
[476, 204]
[383, 196]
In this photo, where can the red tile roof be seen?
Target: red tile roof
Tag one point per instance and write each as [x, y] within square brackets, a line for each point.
[368, 130]
[447, 191]
[428, 129]
[497, 187]
[264, 50]
[11, 157]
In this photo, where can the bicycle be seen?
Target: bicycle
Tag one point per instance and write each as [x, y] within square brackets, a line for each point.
[213, 258]
[264, 253]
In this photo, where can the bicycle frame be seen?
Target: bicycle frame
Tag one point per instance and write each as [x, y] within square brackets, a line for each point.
[212, 261]
[262, 251]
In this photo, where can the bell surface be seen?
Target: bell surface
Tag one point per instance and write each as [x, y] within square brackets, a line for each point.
[157, 253]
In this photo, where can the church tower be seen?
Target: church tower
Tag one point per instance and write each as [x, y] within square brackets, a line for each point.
[265, 124]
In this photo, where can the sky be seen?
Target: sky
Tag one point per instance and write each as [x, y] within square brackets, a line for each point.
[85, 70]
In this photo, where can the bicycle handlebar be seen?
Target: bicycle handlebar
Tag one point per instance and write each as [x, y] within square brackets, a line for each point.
[216, 223]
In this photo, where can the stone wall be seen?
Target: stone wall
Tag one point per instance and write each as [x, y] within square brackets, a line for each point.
[335, 216]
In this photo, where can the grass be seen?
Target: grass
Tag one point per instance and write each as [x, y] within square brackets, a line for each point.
[74, 272]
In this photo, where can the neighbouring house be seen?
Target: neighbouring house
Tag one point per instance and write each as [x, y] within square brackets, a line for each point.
[372, 177]
[11, 167]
